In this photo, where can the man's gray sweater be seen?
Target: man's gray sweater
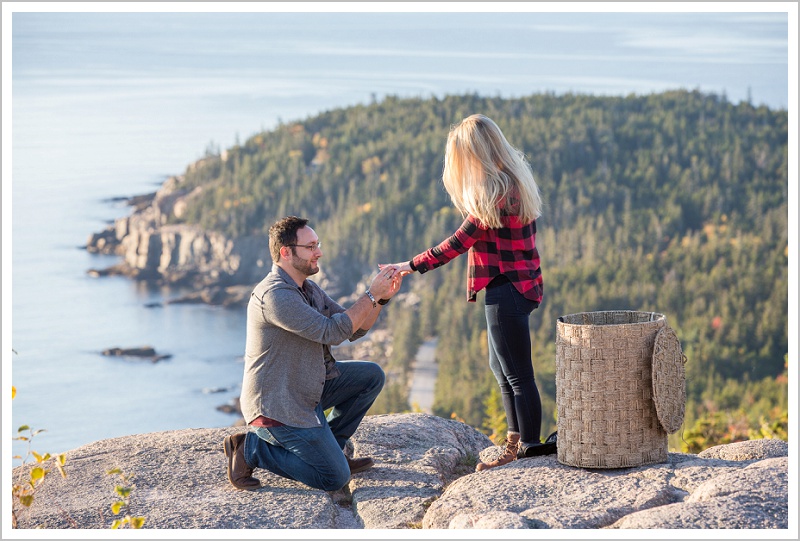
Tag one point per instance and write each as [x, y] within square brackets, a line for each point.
[287, 353]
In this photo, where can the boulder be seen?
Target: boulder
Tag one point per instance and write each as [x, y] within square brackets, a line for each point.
[144, 352]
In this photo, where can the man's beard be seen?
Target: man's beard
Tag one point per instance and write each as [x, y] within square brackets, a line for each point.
[304, 265]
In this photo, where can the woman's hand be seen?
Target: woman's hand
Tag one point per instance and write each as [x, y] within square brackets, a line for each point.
[402, 268]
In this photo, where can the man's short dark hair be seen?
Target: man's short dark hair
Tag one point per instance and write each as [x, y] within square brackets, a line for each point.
[284, 233]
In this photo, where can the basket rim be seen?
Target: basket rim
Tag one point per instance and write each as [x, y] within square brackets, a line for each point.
[655, 317]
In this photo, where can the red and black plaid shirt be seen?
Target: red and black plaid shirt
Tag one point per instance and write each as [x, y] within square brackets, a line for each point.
[509, 250]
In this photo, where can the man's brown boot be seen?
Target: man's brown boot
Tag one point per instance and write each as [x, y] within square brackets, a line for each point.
[359, 464]
[509, 453]
[239, 473]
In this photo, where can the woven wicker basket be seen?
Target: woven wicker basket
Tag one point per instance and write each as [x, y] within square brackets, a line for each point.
[607, 415]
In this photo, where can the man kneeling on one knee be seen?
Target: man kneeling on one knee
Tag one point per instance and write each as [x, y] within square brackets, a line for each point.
[290, 376]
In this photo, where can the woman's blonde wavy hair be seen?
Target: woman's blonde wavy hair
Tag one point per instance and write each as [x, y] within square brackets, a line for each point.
[487, 177]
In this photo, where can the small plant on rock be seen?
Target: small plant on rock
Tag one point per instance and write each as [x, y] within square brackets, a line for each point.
[24, 492]
[124, 490]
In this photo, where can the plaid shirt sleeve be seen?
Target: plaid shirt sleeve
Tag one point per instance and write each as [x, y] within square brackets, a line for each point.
[468, 234]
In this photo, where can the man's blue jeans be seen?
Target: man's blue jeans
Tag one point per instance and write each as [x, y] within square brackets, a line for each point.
[314, 455]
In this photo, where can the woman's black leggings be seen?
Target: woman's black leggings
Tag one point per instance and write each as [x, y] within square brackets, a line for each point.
[507, 314]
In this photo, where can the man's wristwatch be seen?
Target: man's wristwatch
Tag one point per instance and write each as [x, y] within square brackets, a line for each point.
[384, 302]
[374, 302]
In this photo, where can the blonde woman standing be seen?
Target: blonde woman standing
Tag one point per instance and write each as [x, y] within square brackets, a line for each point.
[491, 183]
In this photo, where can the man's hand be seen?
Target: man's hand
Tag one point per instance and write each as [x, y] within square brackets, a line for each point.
[383, 287]
[386, 283]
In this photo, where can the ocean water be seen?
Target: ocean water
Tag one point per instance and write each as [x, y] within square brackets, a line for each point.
[109, 104]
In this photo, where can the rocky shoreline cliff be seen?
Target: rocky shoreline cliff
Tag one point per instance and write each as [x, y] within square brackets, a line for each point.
[423, 479]
[154, 246]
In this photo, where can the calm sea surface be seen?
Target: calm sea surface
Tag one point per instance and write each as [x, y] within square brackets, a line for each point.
[110, 104]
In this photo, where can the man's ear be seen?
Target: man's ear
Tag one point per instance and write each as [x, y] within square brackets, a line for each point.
[285, 251]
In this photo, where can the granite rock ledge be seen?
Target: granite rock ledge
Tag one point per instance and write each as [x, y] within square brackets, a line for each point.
[423, 478]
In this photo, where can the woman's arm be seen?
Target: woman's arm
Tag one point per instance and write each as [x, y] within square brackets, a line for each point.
[470, 231]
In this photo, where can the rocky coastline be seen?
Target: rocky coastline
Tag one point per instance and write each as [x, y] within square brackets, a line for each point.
[154, 245]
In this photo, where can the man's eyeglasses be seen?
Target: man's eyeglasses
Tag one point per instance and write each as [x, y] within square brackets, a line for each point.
[311, 247]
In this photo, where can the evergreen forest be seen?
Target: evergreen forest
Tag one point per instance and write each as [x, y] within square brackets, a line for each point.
[675, 203]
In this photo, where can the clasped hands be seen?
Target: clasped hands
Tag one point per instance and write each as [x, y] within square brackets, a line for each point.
[389, 279]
